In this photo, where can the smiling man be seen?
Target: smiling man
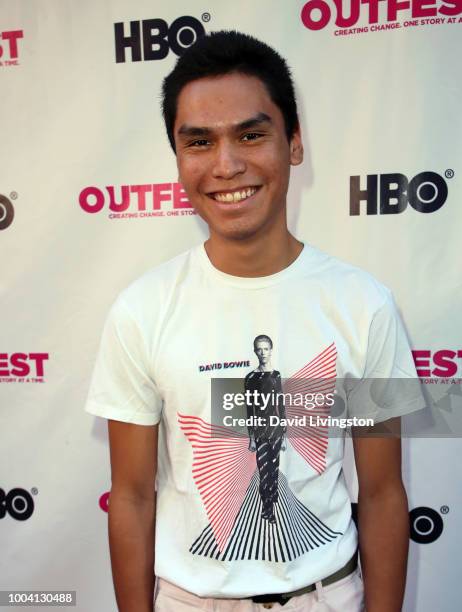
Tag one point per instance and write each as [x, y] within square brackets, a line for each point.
[231, 119]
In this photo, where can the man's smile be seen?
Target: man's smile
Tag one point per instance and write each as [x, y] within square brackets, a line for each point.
[233, 196]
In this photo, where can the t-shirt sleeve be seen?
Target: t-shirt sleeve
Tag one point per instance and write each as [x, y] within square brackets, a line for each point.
[122, 387]
[390, 386]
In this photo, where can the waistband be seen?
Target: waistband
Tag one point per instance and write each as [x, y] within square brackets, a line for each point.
[283, 598]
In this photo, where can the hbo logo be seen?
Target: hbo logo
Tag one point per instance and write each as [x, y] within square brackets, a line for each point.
[6, 212]
[426, 192]
[18, 503]
[152, 39]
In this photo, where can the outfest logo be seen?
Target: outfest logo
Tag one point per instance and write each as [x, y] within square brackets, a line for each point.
[23, 367]
[378, 15]
[9, 47]
[443, 363]
[137, 201]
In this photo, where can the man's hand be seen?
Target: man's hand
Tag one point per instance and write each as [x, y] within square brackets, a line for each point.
[132, 514]
[383, 518]
[252, 445]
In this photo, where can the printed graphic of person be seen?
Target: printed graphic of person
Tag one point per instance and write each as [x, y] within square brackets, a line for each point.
[265, 438]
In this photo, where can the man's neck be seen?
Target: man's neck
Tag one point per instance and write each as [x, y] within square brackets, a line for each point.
[260, 256]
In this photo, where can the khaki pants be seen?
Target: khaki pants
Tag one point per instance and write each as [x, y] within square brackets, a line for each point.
[345, 595]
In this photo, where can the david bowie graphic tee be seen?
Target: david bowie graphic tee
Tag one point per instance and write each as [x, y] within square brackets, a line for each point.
[259, 510]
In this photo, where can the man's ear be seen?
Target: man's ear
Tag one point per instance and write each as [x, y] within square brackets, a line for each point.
[296, 147]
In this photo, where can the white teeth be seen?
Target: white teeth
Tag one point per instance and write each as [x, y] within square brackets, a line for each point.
[236, 196]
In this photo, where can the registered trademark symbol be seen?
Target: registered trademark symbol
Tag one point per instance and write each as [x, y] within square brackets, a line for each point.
[14, 195]
[34, 490]
[449, 173]
[205, 17]
[444, 509]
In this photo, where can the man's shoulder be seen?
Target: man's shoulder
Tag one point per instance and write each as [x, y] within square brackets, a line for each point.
[156, 283]
[346, 281]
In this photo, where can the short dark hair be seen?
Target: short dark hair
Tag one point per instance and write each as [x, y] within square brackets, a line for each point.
[225, 52]
[261, 338]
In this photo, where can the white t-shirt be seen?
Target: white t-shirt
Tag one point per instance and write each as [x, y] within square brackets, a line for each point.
[184, 323]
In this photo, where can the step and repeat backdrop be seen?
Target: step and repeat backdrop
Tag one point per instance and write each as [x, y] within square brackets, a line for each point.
[90, 199]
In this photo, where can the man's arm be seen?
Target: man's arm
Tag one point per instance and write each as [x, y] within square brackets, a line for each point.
[132, 508]
[383, 518]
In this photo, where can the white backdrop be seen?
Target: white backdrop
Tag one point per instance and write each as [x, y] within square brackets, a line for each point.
[75, 125]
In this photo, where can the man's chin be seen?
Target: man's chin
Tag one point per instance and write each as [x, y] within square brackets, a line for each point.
[235, 231]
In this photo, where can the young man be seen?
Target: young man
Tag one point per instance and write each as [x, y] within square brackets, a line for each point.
[231, 119]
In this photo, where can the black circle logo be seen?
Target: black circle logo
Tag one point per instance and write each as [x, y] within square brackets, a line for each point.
[427, 192]
[183, 33]
[426, 525]
[18, 503]
[6, 212]
[2, 503]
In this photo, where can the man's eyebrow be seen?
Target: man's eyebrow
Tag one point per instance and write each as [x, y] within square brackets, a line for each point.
[253, 122]
[191, 130]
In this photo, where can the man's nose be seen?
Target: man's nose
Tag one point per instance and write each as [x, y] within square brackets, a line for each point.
[228, 162]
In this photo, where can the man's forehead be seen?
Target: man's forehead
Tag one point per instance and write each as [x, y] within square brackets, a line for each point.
[228, 83]
[226, 101]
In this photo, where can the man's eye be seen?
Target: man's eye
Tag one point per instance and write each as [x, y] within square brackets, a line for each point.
[199, 143]
[251, 136]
